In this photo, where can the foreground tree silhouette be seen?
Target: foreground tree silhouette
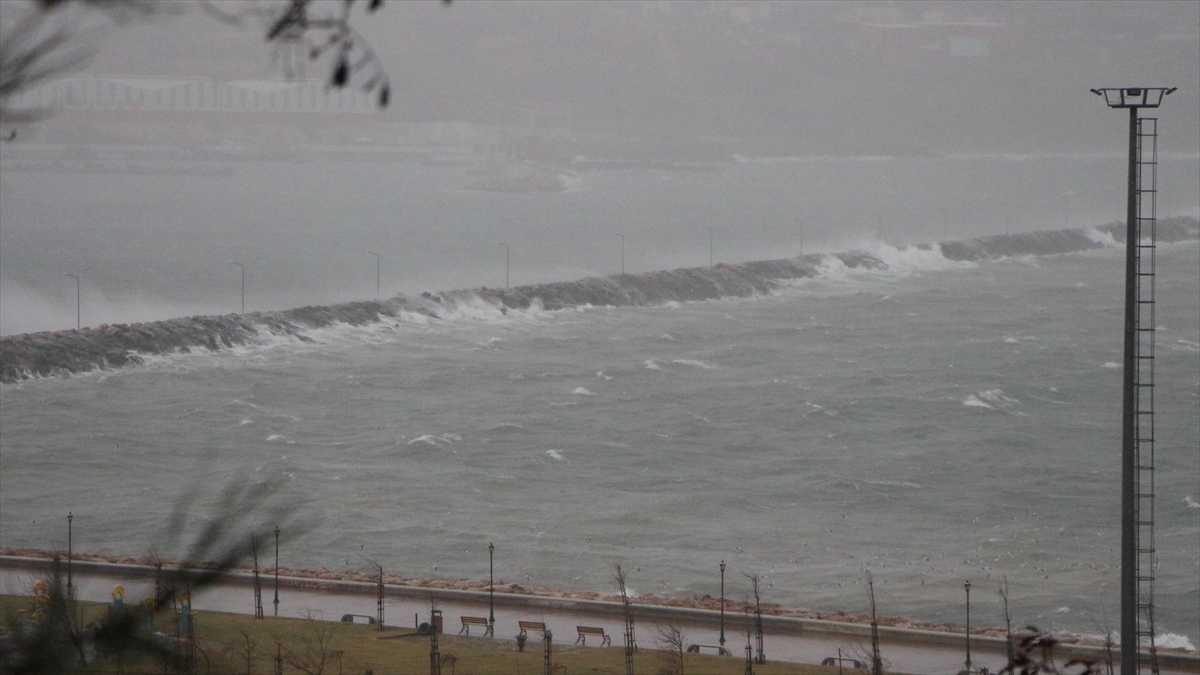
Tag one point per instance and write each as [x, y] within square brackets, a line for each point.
[57, 641]
[39, 46]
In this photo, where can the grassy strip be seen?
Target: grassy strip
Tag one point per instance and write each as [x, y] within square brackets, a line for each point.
[237, 643]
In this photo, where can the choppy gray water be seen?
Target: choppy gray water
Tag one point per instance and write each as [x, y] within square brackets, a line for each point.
[934, 423]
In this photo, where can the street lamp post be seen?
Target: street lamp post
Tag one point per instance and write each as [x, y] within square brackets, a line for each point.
[70, 586]
[710, 246]
[722, 603]
[77, 322]
[276, 570]
[243, 268]
[967, 585]
[622, 252]
[506, 252]
[491, 588]
[377, 257]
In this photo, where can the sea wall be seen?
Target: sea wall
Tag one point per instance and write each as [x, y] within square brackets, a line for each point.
[48, 354]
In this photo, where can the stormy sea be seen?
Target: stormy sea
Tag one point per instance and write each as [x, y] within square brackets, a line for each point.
[918, 394]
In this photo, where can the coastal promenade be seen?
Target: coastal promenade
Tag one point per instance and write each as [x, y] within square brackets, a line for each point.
[786, 638]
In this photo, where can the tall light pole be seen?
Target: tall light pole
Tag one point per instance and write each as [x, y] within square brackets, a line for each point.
[276, 570]
[506, 251]
[243, 268]
[945, 223]
[622, 252]
[70, 586]
[879, 217]
[491, 589]
[710, 246]
[722, 603]
[967, 585]
[1133, 98]
[377, 256]
[77, 322]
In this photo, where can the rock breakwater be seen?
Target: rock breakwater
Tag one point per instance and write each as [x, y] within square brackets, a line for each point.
[50, 354]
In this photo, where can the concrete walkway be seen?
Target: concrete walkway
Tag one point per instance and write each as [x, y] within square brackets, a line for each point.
[786, 639]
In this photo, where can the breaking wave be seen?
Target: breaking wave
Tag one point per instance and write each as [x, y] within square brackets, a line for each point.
[35, 355]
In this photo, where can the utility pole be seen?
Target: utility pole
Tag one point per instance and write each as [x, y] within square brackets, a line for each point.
[1137, 478]
[243, 268]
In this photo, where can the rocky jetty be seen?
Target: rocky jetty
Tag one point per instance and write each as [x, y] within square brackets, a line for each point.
[34, 355]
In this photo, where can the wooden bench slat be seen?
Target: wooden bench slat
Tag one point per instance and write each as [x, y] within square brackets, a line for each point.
[531, 625]
[585, 631]
[468, 621]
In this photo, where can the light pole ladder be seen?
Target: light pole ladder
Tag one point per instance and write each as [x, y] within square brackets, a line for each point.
[1146, 560]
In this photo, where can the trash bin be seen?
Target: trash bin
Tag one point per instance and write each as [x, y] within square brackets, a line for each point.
[436, 620]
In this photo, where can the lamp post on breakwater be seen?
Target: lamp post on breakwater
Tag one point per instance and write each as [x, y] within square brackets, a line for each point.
[506, 252]
[622, 252]
[77, 323]
[710, 246]
[243, 268]
[377, 257]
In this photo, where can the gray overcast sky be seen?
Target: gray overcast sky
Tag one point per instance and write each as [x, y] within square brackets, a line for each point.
[754, 77]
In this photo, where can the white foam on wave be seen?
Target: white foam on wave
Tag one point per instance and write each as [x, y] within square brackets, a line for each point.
[914, 260]
[1111, 364]
[600, 374]
[1105, 239]
[1174, 641]
[991, 399]
[280, 438]
[1191, 503]
[583, 391]
[434, 440]
[1185, 346]
[651, 364]
[245, 422]
[692, 362]
[556, 455]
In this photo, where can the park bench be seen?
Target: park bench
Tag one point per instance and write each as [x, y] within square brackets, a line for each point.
[468, 621]
[354, 618]
[531, 625]
[585, 631]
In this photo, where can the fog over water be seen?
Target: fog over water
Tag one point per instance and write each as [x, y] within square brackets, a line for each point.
[931, 421]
